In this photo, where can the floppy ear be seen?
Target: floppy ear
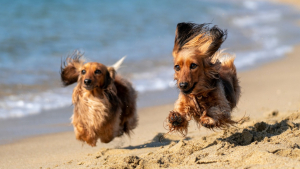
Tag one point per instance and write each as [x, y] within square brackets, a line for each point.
[109, 77]
[112, 72]
[199, 37]
[184, 33]
[69, 70]
[217, 36]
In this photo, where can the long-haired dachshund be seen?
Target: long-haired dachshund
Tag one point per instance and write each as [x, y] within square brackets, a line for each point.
[206, 77]
[104, 102]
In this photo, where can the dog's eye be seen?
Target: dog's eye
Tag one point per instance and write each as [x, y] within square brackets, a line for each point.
[83, 72]
[177, 67]
[193, 66]
[97, 71]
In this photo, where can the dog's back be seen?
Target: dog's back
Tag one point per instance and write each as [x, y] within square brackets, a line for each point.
[128, 96]
[228, 77]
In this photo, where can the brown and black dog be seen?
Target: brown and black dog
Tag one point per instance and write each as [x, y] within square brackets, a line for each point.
[206, 77]
[104, 103]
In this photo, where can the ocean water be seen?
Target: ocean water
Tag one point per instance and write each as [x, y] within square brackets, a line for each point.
[36, 35]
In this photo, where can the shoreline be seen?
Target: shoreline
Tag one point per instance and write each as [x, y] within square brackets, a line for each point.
[58, 120]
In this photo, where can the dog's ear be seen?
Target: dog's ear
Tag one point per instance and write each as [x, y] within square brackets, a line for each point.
[199, 37]
[182, 34]
[112, 72]
[217, 36]
[69, 70]
[109, 77]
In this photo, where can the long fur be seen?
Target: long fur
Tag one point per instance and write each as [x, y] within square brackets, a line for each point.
[103, 109]
[211, 87]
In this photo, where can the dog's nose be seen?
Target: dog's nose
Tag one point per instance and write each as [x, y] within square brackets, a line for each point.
[183, 85]
[87, 81]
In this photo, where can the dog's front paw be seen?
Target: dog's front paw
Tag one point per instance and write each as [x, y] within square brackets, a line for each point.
[175, 119]
[220, 123]
[177, 122]
[208, 122]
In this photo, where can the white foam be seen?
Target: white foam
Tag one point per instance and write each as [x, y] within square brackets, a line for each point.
[250, 5]
[259, 17]
[160, 79]
[252, 58]
[28, 104]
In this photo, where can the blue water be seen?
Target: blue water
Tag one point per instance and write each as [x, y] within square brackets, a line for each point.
[35, 35]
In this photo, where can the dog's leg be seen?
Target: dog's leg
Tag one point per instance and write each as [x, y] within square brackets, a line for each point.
[128, 124]
[215, 117]
[110, 130]
[108, 135]
[219, 113]
[208, 121]
[179, 118]
[177, 122]
[82, 134]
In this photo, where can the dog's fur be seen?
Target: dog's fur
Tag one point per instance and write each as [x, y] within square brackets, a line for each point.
[206, 77]
[105, 108]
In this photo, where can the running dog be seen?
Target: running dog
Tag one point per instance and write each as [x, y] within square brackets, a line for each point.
[206, 77]
[104, 102]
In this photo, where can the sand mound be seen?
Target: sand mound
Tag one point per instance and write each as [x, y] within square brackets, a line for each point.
[271, 144]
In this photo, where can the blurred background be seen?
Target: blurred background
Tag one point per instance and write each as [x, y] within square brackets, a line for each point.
[35, 35]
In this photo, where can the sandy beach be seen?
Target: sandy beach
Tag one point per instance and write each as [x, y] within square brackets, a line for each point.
[268, 137]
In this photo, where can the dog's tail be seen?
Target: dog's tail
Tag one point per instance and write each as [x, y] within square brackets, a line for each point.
[226, 59]
[117, 65]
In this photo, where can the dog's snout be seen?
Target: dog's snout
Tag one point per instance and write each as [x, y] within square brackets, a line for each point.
[183, 85]
[87, 81]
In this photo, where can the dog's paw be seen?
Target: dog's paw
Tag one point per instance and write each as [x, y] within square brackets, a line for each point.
[175, 119]
[177, 122]
[208, 122]
[220, 123]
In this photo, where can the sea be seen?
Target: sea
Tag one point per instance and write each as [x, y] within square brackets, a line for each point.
[36, 35]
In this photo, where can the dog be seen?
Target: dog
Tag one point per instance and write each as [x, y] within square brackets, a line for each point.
[104, 102]
[206, 77]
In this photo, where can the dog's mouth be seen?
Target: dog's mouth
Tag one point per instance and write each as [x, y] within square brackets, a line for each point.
[188, 91]
[88, 87]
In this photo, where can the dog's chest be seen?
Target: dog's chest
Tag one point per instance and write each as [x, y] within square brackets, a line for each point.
[88, 104]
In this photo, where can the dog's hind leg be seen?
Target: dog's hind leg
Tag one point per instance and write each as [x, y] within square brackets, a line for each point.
[129, 124]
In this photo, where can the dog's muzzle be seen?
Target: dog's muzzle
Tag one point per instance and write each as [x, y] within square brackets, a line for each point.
[87, 84]
[183, 85]
[184, 88]
[87, 81]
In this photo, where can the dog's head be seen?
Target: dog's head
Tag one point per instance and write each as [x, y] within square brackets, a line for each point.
[90, 75]
[193, 49]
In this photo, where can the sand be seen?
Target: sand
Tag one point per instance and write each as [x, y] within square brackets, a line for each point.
[267, 138]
